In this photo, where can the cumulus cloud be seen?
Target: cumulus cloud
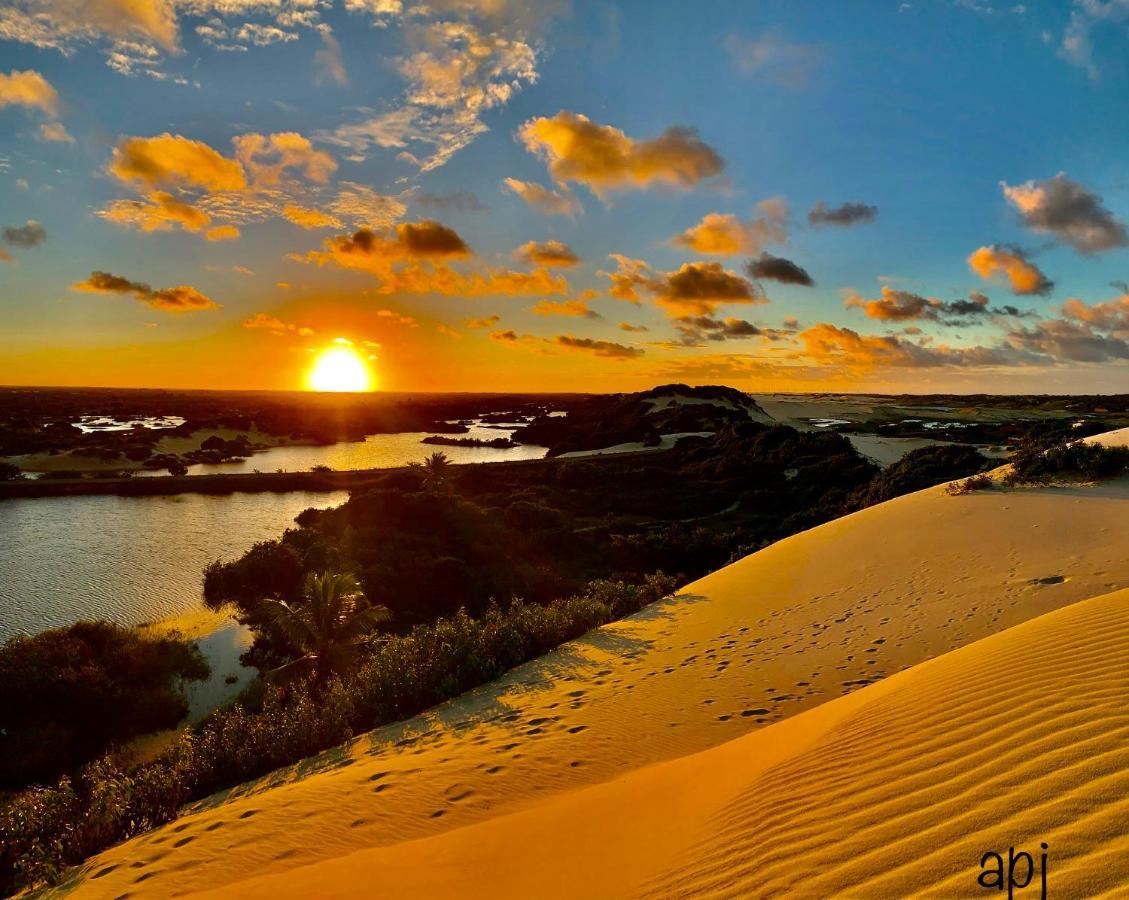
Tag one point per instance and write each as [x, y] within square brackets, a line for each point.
[603, 349]
[627, 326]
[169, 160]
[413, 258]
[268, 157]
[604, 158]
[482, 322]
[576, 308]
[173, 300]
[545, 201]
[695, 331]
[28, 89]
[1022, 275]
[844, 215]
[549, 253]
[1112, 316]
[1069, 211]
[719, 234]
[30, 234]
[1060, 339]
[777, 268]
[692, 289]
[901, 306]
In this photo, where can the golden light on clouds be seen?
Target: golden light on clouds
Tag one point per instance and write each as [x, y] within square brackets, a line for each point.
[340, 368]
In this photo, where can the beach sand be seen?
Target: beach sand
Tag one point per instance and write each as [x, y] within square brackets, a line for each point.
[534, 765]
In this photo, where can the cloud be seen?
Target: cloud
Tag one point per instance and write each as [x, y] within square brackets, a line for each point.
[504, 337]
[160, 211]
[1069, 211]
[627, 326]
[454, 71]
[275, 325]
[310, 218]
[902, 306]
[828, 344]
[604, 158]
[413, 258]
[30, 90]
[603, 349]
[1021, 274]
[31, 234]
[461, 201]
[328, 61]
[484, 322]
[55, 132]
[362, 206]
[694, 331]
[1071, 341]
[550, 253]
[777, 268]
[565, 308]
[268, 157]
[169, 160]
[5, 256]
[58, 24]
[545, 201]
[222, 233]
[786, 64]
[1077, 46]
[1112, 316]
[173, 300]
[846, 215]
[692, 289]
[719, 234]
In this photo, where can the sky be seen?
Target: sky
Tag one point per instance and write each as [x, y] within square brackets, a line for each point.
[920, 196]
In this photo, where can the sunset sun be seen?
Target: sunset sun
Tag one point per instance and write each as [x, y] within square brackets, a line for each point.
[340, 368]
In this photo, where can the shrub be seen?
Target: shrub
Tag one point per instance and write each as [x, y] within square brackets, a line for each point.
[69, 694]
[45, 829]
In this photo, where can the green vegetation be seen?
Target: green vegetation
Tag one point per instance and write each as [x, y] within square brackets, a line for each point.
[45, 829]
[70, 694]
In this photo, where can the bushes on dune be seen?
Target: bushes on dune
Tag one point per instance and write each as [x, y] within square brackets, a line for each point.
[45, 829]
[69, 694]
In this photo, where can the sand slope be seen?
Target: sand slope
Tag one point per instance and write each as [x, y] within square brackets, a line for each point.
[1017, 740]
[784, 630]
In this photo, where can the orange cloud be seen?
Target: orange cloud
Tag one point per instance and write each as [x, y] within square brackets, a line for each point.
[222, 233]
[1022, 275]
[565, 308]
[310, 218]
[545, 201]
[604, 158]
[699, 288]
[172, 160]
[28, 89]
[161, 211]
[267, 157]
[604, 349]
[550, 253]
[182, 298]
[55, 132]
[484, 322]
[725, 234]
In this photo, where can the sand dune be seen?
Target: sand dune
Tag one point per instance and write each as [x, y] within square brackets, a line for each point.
[783, 631]
[1017, 740]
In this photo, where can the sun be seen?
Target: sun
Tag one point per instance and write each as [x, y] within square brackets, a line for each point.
[339, 368]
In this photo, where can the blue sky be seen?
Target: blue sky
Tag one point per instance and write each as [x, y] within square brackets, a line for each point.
[919, 112]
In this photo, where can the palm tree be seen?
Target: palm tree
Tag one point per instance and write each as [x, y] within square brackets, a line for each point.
[435, 472]
[328, 623]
